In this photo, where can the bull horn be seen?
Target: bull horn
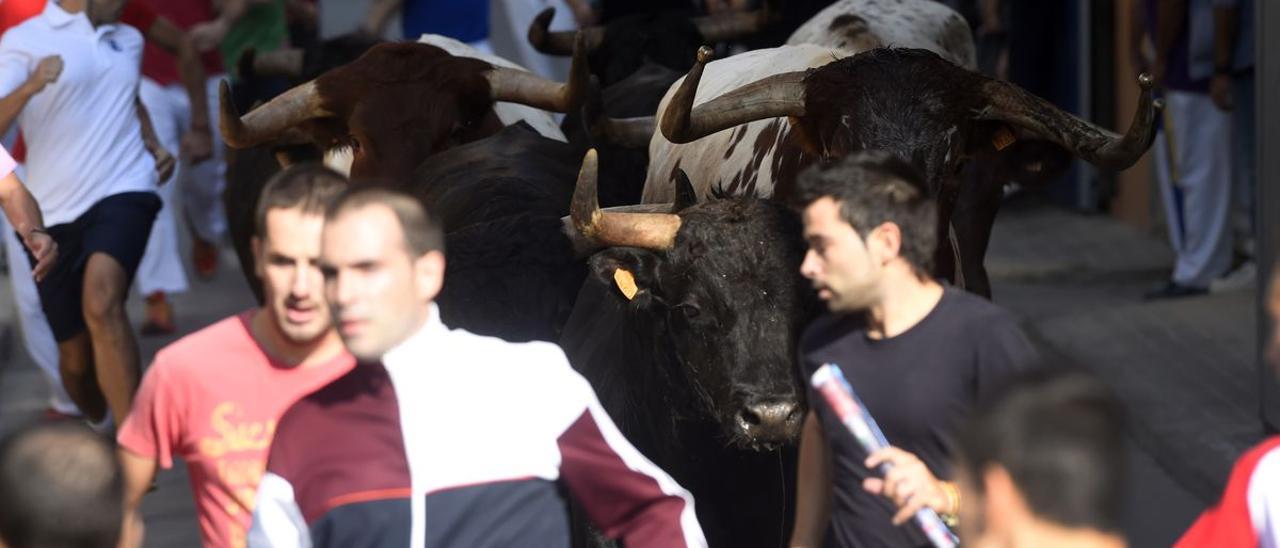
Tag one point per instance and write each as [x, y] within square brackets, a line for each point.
[656, 231]
[720, 28]
[624, 132]
[1096, 145]
[269, 121]
[560, 42]
[772, 97]
[282, 62]
[519, 86]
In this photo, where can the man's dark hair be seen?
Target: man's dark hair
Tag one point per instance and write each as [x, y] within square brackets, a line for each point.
[60, 487]
[421, 233]
[308, 186]
[1058, 433]
[873, 188]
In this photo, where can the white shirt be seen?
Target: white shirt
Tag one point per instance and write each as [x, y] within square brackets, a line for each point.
[1264, 499]
[84, 141]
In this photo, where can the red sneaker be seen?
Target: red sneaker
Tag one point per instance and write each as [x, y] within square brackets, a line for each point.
[204, 256]
[159, 316]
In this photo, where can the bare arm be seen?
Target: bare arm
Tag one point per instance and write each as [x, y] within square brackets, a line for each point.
[380, 12]
[813, 486]
[139, 473]
[24, 214]
[197, 144]
[164, 161]
[47, 72]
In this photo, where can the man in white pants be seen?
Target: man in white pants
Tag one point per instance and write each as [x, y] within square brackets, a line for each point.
[1193, 156]
[161, 273]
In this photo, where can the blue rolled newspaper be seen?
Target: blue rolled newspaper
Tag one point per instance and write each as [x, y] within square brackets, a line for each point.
[839, 394]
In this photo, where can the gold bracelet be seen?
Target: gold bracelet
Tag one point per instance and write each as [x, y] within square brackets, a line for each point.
[952, 517]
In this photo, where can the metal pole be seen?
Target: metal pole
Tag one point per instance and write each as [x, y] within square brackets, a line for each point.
[1086, 198]
[1267, 75]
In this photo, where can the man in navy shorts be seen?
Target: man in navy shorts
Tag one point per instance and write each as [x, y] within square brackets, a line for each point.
[70, 77]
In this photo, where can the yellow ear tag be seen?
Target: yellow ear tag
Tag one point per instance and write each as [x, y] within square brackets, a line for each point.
[1003, 138]
[626, 283]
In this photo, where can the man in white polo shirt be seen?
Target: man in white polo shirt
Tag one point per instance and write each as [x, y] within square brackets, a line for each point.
[70, 78]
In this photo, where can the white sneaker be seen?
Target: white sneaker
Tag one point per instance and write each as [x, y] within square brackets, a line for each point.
[1242, 278]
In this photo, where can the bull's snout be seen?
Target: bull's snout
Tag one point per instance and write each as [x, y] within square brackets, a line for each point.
[769, 422]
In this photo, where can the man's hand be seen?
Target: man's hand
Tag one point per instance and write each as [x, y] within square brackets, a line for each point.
[47, 72]
[1220, 91]
[909, 484]
[164, 163]
[207, 35]
[43, 248]
[196, 146]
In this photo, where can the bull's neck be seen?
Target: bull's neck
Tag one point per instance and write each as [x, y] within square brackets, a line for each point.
[905, 300]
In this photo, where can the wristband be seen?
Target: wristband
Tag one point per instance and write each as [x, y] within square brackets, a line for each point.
[37, 230]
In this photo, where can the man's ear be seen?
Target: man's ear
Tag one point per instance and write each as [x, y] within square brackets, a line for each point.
[632, 273]
[429, 270]
[885, 241]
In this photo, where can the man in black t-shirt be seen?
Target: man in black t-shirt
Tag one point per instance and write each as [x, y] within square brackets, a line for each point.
[917, 353]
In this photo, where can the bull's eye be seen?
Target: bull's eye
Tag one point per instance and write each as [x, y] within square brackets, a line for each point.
[689, 310]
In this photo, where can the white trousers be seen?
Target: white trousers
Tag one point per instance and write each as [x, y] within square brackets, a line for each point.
[201, 184]
[161, 267]
[37, 336]
[1193, 168]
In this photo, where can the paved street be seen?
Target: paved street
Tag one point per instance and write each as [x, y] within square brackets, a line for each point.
[1185, 368]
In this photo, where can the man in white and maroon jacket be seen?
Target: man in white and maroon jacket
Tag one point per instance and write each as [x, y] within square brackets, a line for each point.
[440, 437]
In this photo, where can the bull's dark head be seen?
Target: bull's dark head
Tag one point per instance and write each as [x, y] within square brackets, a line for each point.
[668, 39]
[720, 282]
[918, 106]
[398, 104]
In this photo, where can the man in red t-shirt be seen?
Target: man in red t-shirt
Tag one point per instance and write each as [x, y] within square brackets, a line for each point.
[213, 398]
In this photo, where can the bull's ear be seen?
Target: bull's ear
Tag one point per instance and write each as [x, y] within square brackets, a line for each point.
[1019, 156]
[686, 196]
[1034, 162]
[629, 272]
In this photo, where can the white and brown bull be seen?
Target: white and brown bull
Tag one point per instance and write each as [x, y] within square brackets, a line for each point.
[746, 125]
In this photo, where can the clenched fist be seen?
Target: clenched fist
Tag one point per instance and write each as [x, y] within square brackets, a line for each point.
[47, 72]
